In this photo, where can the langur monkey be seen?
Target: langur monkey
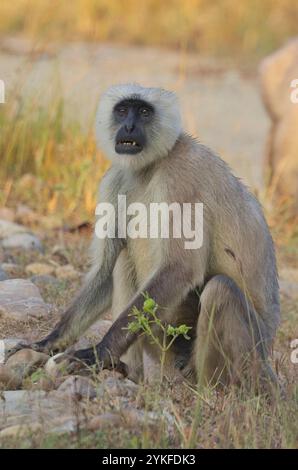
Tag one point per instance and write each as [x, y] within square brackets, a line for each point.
[226, 290]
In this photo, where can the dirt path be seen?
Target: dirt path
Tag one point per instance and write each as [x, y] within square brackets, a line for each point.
[221, 106]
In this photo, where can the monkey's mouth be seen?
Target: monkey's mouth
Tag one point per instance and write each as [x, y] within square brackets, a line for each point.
[128, 146]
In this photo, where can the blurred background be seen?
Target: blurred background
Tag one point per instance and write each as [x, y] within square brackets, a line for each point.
[56, 58]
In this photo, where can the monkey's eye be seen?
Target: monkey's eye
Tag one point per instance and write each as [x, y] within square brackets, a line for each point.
[144, 112]
[121, 111]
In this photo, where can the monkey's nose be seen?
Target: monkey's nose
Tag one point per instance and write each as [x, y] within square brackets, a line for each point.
[129, 128]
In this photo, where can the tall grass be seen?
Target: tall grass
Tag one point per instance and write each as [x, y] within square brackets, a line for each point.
[246, 28]
[53, 167]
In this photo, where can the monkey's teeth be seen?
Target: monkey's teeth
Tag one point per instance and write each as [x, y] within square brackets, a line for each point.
[133, 143]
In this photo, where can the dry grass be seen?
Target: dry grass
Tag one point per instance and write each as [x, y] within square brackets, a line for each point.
[247, 28]
[53, 168]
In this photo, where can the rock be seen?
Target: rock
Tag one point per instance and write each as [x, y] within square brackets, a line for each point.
[117, 386]
[20, 430]
[9, 229]
[64, 425]
[20, 300]
[24, 362]
[44, 281]
[99, 329]
[39, 269]
[104, 420]
[3, 275]
[25, 215]
[23, 240]
[8, 380]
[81, 387]
[27, 406]
[134, 417]
[82, 343]
[277, 72]
[67, 272]
[12, 269]
[93, 336]
[7, 214]
[54, 369]
[14, 402]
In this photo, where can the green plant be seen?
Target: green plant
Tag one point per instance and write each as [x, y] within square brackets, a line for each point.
[160, 334]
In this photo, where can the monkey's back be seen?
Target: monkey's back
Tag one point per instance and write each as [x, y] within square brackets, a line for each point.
[238, 235]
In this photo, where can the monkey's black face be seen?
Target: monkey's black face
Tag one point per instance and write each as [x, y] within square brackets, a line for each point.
[133, 115]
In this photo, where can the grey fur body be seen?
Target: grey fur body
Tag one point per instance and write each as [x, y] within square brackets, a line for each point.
[234, 271]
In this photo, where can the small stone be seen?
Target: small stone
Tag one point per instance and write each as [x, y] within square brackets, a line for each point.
[78, 386]
[8, 380]
[54, 369]
[117, 387]
[99, 329]
[20, 430]
[12, 269]
[104, 420]
[24, 362]
[64, 425]
[93, 336]
[8, 229]
[44, 280]
[3, 275]
[20, 299]
[22, 240]
[7, 214]
[39, 269]
[67, 272]
[25, 215]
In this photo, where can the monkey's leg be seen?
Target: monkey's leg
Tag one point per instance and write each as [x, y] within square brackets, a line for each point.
[165, 286]
[231, 344]
[124, 281]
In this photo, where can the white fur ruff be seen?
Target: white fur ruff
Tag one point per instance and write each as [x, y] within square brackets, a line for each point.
[161, 134]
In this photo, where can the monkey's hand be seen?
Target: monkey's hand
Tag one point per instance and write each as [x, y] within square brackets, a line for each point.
[98, 356]
[44, 346]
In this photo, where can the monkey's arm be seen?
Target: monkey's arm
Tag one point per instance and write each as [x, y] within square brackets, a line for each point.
[165, 287]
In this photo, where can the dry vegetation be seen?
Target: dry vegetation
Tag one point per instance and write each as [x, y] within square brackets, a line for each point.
[63, 160]
[194, 24]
